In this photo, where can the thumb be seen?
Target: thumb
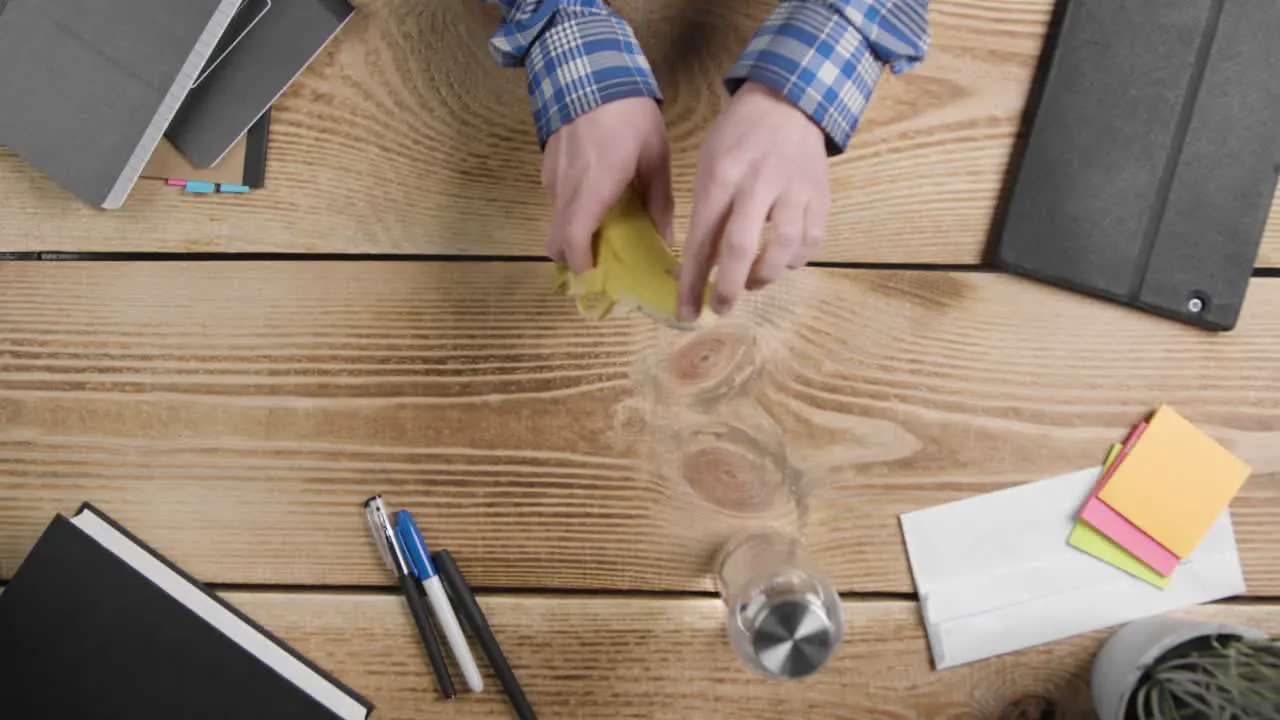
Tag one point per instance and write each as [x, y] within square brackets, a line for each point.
[654, 174]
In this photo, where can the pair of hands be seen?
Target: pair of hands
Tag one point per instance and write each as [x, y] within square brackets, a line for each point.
[764, 163]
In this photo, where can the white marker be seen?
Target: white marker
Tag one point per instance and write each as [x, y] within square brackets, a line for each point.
[420, 561]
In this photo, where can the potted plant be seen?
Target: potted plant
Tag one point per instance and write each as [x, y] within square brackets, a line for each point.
[1171, 668]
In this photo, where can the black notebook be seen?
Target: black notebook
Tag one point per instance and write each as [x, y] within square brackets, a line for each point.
[1150, 167]
[96, 625]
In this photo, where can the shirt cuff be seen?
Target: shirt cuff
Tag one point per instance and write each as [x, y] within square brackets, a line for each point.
[814, 56]
[578, 54]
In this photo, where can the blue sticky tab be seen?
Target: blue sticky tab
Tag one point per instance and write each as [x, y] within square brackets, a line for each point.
[199, 187]
[415, 550]
[233, 188]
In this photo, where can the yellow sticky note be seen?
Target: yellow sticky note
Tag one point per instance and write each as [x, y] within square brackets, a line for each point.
[1085, 537]
[1175, 482]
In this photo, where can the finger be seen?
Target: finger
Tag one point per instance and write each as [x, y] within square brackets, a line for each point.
[654, 173]
[739, 244]
[556, 253]
[815, 226]
[711, 203]
[556, 233]
[788, 236]
[554, 250]
[557, 193]
[576, 220]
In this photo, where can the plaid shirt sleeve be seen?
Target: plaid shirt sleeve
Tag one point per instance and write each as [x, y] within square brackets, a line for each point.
[578, 55]
[827, 55]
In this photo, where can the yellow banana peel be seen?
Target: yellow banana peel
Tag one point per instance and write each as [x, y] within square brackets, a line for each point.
[634, 270]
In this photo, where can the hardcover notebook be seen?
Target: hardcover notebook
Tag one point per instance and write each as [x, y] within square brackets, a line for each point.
[252, 74]
[87, 87]
[96, 625]
[250, 12]
[1151, 163]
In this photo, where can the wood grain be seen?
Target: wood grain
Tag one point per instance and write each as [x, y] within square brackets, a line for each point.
[404, 137]
[236, 414]
[668, 658]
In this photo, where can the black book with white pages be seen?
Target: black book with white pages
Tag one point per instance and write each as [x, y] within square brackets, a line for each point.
[96, 625]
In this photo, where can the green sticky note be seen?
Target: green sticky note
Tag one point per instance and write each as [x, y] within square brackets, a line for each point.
[1085, 537]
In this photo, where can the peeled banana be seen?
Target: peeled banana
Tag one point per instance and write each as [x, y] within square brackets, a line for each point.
[634, 270]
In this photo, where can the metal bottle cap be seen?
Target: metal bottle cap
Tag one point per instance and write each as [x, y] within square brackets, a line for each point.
[792, 637]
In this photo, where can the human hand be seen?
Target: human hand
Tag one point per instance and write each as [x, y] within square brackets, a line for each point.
[764, 161]
[591, 161]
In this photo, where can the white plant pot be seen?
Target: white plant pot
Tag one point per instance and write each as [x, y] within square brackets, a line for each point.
[1127, 654]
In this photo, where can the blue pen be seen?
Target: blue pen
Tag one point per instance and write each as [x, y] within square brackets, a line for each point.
[419, 558]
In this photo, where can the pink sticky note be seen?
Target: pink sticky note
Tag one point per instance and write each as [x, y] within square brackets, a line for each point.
[175, 182]
[1114, 525]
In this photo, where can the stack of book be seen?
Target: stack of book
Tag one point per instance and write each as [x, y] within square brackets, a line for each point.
[97, 95]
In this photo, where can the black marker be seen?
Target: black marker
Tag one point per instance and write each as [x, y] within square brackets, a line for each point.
[473, 618]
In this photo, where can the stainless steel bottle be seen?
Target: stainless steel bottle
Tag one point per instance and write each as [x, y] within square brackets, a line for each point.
[783, 619]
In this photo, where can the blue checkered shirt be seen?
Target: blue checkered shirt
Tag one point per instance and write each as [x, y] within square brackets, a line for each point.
[823, 55]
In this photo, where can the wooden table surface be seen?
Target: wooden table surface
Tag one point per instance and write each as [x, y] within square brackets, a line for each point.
[231, 376]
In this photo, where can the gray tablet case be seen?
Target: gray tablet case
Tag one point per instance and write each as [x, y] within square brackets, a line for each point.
[252, 74]
[1151, 163]
[87, 87]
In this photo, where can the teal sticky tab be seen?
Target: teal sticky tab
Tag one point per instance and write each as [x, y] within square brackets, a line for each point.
[233, 188]
[199, 187]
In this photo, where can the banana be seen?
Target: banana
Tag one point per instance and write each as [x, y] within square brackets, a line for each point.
[634, 271]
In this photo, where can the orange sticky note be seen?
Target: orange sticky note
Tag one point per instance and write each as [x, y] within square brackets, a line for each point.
[1175, 482]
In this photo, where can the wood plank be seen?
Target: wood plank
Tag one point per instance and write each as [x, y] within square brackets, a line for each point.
[236, 414]
[404, 137]
[664, 658]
